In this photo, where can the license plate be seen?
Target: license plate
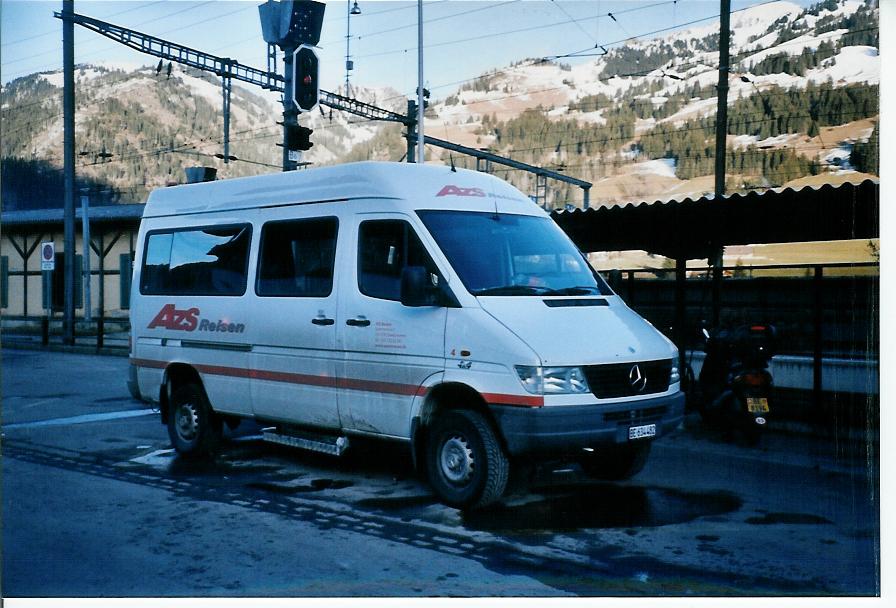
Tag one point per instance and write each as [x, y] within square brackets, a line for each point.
[757, 405]
[639, 432]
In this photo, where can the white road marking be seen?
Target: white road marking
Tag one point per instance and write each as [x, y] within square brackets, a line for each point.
[155, 459]
[80, 419]
[41, 402]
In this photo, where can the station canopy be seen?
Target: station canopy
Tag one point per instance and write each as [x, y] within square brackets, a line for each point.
[693, 229]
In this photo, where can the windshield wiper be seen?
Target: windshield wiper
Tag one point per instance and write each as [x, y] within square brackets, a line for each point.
[512, 290]
[582, 290]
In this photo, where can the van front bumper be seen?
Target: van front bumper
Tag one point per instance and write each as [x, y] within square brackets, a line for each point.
[561, 429]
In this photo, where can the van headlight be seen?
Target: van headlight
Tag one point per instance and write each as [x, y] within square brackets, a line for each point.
[674, 377]
[552, 380]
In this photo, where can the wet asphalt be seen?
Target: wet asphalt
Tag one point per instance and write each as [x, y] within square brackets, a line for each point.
[95, 503]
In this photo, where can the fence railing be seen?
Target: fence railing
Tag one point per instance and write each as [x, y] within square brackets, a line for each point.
[831, 308]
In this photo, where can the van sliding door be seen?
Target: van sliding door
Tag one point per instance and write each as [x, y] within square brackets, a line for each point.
[294, 359]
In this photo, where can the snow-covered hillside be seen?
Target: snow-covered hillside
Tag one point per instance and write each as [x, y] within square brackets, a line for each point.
[606, 108]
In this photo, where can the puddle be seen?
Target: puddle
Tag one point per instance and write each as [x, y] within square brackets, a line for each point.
[277, 488]
[788, 518]
[602, 506]
[316, 485]
[396, 503]
[335, 484]
[201, 467]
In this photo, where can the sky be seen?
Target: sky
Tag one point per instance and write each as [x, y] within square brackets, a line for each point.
[462, 38]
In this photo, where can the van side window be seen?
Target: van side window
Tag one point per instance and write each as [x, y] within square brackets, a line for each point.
[202, 261]
[385, 247]
[297, 258]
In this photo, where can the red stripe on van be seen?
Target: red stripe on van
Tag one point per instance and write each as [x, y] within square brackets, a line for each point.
[380, 387]
[501, 399]
[148, 363]
[344, 383]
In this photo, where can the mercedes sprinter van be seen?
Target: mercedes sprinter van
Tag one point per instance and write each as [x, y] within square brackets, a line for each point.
[408, 302]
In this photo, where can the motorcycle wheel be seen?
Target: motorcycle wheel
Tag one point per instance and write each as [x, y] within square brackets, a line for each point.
[751, 432]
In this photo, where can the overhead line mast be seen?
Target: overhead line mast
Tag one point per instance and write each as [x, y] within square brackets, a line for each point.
[230, 69]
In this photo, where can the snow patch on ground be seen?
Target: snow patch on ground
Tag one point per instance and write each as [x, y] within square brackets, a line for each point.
[853, 64]
[778, 140]
[743, 141]
[744, 24]
[794, 47]
[664, 167]
[839, 157]
[212, 93]
[596, 117]
[54, 78]
[695, 109]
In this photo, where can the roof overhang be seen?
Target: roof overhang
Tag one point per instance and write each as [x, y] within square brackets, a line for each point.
[694, 229]
[100, 214]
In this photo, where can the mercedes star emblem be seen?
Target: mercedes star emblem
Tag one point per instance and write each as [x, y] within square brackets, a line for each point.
[637, 379]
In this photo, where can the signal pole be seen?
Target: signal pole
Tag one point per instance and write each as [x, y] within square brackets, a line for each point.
[290, 115]
[68, 153]
[721, 150]
[292, 24]
[722, 109]
[421, 158]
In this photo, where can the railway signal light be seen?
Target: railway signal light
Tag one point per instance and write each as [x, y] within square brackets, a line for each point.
[306, 86]
[298, 137]
[292, 22]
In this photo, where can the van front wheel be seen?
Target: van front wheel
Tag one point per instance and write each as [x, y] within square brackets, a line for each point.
[193, 427]
[466, 464]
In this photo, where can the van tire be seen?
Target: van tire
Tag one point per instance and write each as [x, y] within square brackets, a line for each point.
[616, 463]
[194, 429]
[466, 465]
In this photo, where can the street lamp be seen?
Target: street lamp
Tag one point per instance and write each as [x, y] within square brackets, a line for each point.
[349, 64]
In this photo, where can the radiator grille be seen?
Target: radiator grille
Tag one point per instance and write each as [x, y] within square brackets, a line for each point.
[615, 380]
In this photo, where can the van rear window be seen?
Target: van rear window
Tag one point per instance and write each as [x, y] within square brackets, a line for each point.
[200, 261]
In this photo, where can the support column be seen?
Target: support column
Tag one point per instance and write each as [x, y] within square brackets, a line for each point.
[716, 263]
[678, 332]
[226, 85]
[818, 319]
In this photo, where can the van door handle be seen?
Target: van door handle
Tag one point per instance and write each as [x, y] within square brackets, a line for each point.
[323, 321]
[358, 322]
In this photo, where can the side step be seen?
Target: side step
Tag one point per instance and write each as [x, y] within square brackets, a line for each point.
[327, 444]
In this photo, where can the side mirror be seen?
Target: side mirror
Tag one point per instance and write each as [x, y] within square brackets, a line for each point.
[417, 288]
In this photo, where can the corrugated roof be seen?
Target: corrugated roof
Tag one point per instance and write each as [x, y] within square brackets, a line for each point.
[693, 228]
[100, 214]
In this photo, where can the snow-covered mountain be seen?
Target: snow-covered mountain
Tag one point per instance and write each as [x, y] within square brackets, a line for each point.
[802, 96]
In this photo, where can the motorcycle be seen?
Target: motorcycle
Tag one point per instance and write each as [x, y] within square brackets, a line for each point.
[733, 389]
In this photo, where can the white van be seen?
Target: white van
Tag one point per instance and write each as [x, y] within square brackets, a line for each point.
[415, 303]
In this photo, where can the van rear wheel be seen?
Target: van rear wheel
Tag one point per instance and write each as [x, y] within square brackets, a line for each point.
[193, 427]
[466, 465]
[616, 463]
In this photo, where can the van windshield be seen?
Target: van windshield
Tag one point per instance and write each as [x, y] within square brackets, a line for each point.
[512, 255]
